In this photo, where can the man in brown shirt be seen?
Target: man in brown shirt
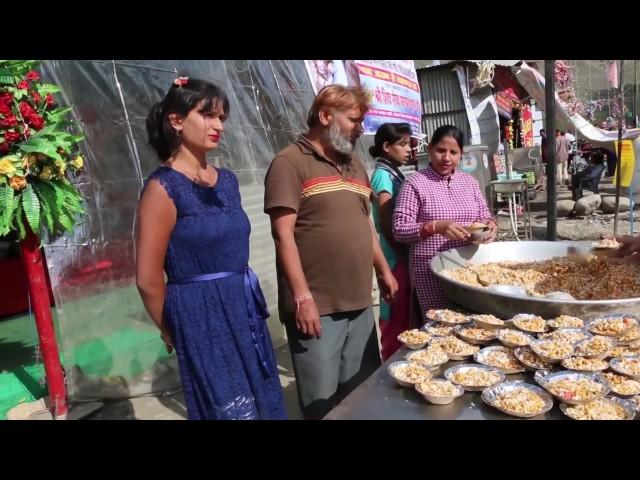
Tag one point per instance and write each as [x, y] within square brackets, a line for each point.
[317, 194]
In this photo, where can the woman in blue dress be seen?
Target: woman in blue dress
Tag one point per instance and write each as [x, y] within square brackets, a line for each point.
[192, 227]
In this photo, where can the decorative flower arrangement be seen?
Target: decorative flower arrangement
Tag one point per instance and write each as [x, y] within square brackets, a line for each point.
[564, 86]
[38, 155]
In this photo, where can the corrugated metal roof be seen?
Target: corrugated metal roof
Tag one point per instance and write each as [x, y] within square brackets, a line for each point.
[442, 101]
[422, 64]
[440, 91]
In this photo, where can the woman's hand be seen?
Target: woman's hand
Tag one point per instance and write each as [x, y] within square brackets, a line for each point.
[166, 338]
[452, 230]
[491, 233]
[630, 245]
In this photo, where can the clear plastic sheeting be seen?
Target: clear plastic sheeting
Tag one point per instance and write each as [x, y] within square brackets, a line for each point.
[110, 347]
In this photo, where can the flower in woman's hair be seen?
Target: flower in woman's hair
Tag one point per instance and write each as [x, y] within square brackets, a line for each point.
[181, 81]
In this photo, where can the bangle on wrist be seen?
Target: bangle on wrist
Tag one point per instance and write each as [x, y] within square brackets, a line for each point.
[303, 299]
[429, 229]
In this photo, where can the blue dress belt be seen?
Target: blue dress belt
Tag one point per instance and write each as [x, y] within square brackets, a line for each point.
[256, 303]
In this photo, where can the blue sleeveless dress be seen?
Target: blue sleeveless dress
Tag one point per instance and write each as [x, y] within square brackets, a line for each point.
[225, 355]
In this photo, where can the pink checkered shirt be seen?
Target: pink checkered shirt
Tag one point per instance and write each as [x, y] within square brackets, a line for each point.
[426, 196]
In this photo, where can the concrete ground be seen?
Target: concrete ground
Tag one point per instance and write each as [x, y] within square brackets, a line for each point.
[574, 228]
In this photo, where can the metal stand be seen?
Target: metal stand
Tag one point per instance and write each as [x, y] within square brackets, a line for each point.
[516, 192]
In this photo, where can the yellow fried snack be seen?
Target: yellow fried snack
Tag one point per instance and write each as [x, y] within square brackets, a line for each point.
[566, 321]
[575, 389]
[597, 345]
[584, 364]
[514, 337]
[429, 357]
[411, 373]
[600, 409]
[622, 351]
[631, 335]
[622, 385]
[612, 326]
[441, 388]
[597, 279]
[567, 335]
[502, 359]
[630, 366]
[490, 319]
[530, 358]
[520, 400]
[477, 333]
[449, 316]
[555, 349]
[414, 337]
[440, 330]
[530, 323]
[453, 346]
[475, 377]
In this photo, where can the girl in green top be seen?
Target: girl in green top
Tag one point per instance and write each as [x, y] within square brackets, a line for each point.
[391, 149]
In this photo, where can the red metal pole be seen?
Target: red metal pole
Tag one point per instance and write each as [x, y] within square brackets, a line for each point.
[39, 293]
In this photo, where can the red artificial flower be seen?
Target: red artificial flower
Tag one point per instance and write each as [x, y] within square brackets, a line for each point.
[23, 85]
[26, 110]
[50, 100]
[5, 109]
[9, 121]
[4, 147]
[11, 137]
[6, 98]
[33, 76]
[36, 121]
[36, 97]
[181, 81]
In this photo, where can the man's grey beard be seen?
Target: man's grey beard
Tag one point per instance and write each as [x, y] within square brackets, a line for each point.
[339, 142]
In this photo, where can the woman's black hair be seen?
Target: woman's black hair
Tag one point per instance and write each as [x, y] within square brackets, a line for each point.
[448, 131]
[388, 132]
[184, 95]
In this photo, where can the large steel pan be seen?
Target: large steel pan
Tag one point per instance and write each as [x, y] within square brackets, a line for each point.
[505, 305]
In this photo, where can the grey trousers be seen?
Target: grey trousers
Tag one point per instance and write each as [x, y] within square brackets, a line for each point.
[329, 368]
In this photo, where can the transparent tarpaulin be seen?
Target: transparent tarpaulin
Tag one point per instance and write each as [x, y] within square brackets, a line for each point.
[110, 347]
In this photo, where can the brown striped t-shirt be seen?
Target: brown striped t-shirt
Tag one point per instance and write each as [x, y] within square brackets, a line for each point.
[332, 231]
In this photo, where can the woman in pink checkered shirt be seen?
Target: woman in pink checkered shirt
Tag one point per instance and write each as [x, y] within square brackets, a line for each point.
[433, 209]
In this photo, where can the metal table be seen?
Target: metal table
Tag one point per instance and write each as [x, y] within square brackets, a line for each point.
[381, 398]
[517, 194]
